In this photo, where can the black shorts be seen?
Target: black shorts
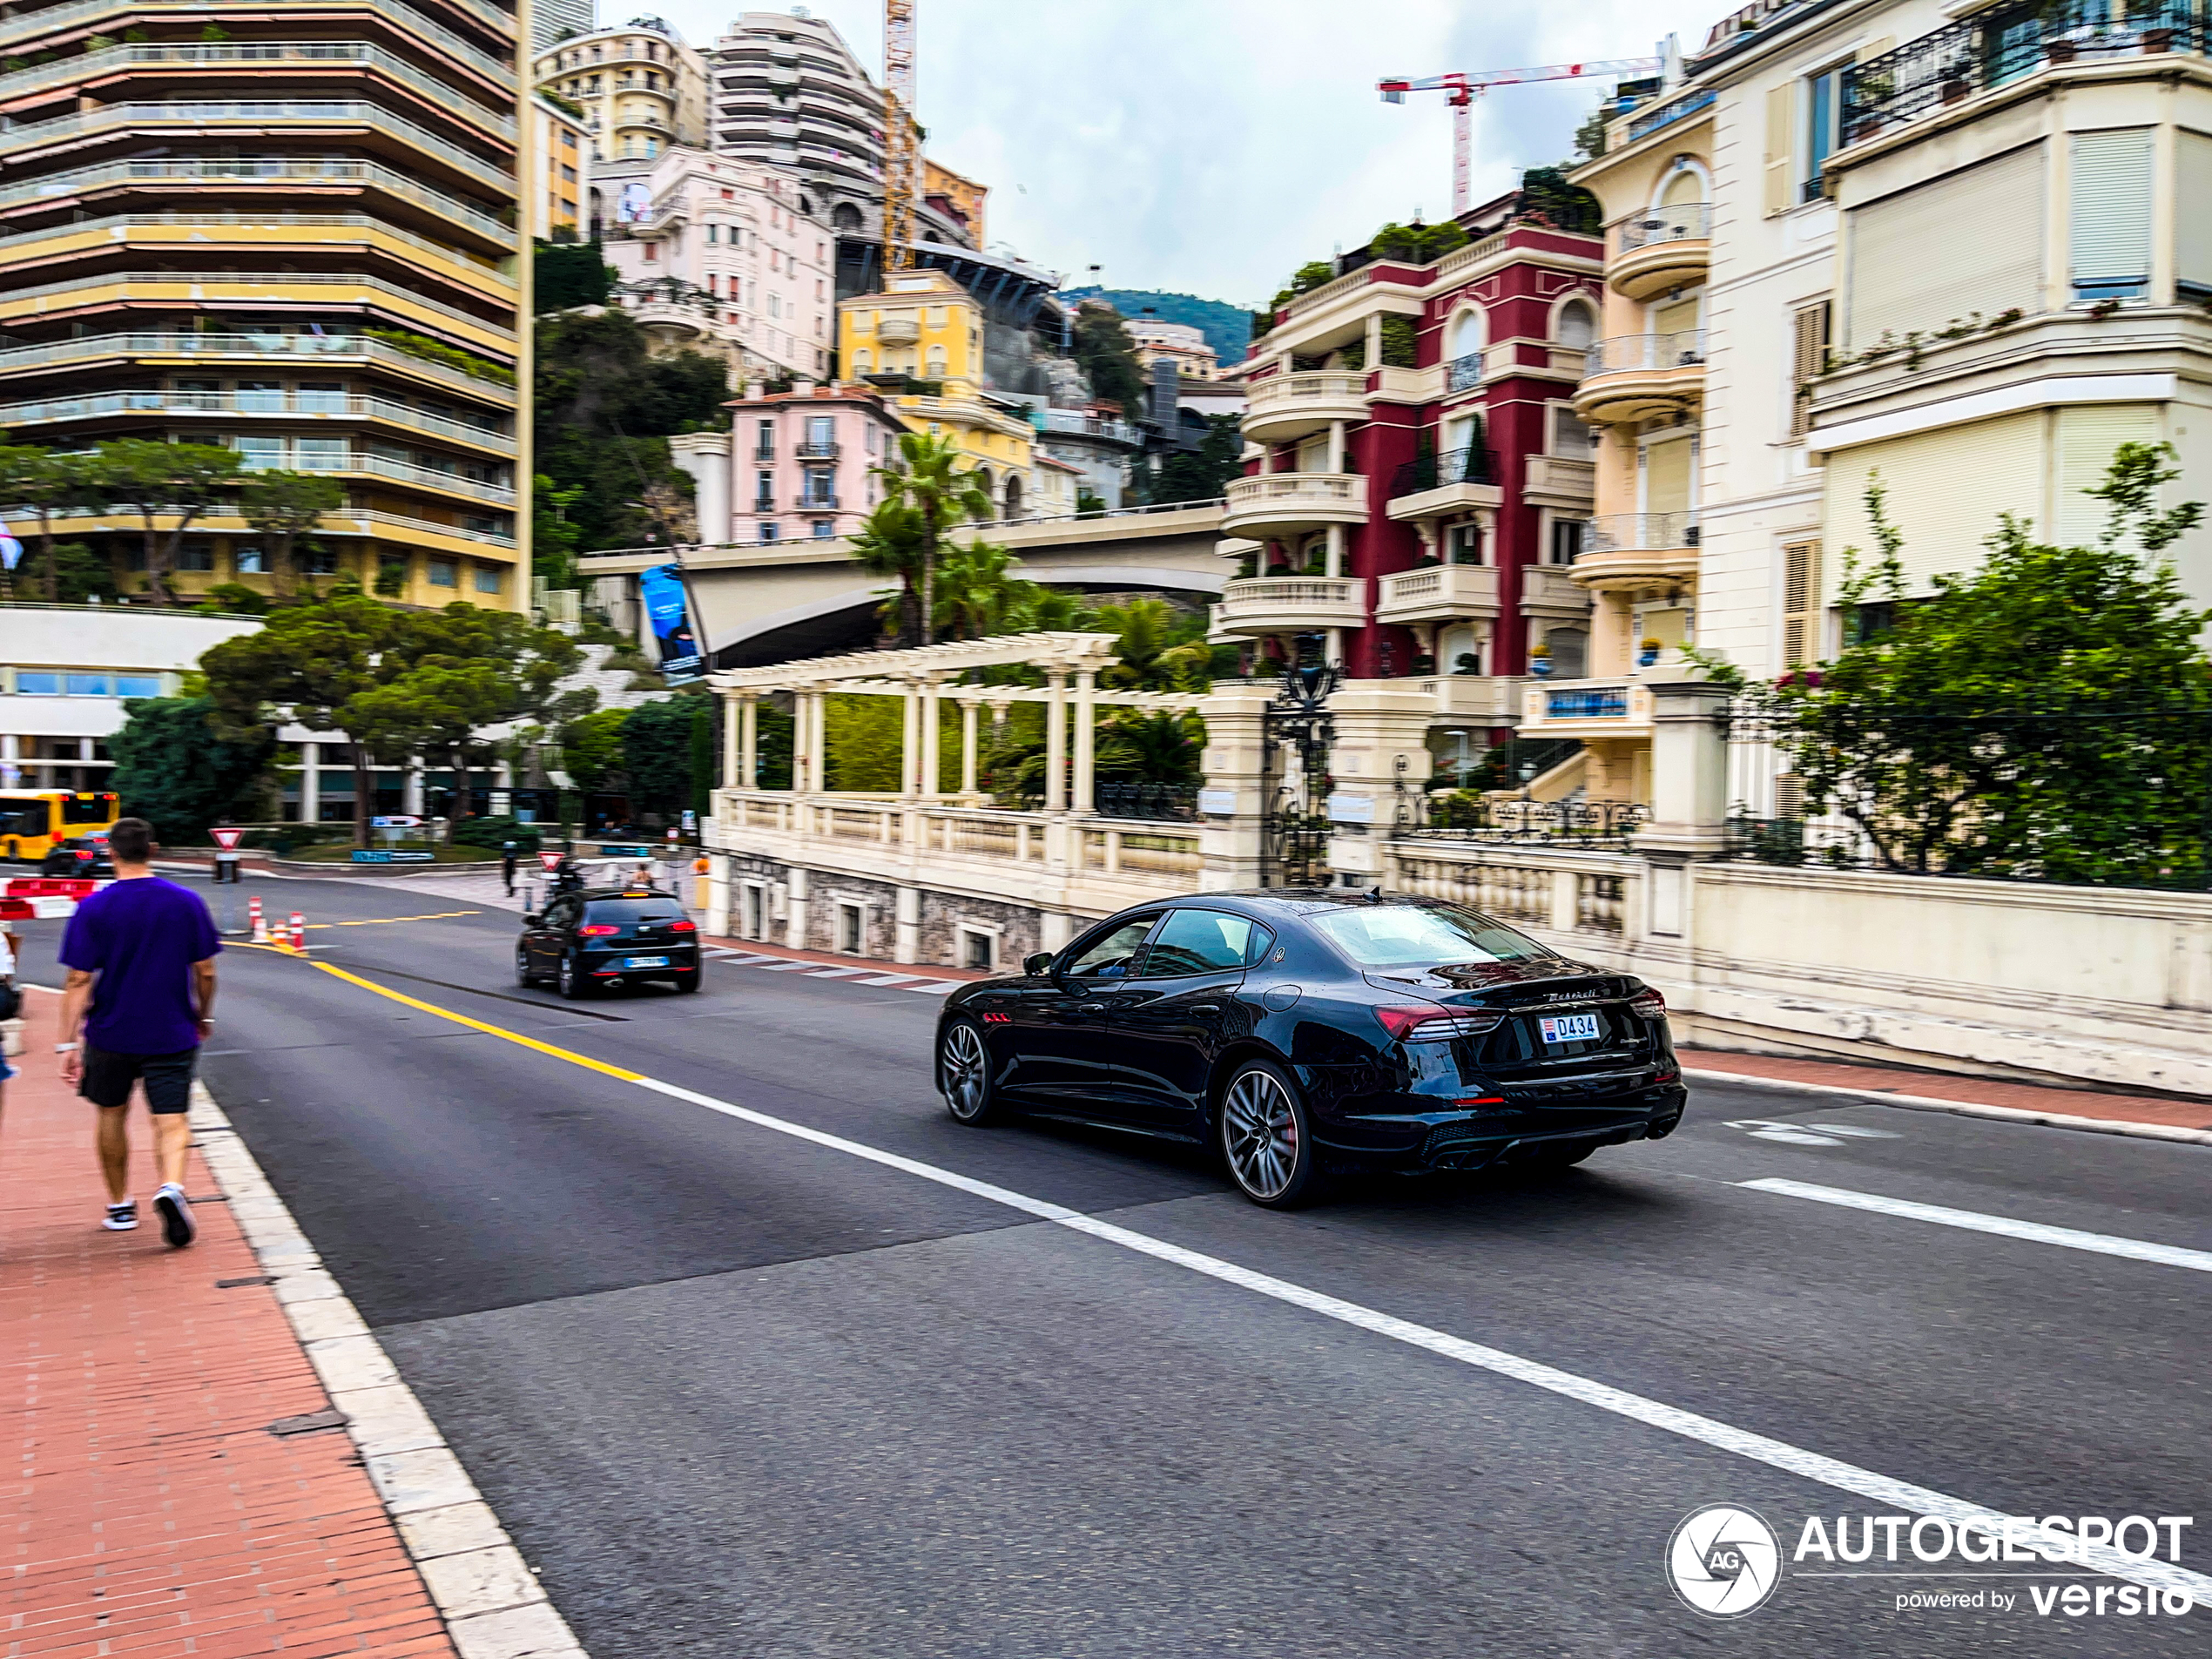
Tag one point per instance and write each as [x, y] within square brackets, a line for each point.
[108, 1077]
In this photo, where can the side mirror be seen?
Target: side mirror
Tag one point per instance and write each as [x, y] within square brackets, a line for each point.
[1034, 966]
[531, 919]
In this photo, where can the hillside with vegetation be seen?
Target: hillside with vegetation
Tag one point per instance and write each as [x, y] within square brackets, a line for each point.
[1228, 328]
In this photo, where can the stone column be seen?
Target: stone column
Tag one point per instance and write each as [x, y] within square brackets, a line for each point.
[795, 910]
[706, 455]
[716, 899]
[1334, 557]
[749, 742]
[802, 737]
[311, 782]
[411, 787]
[931, 720]
[1689, 798]
[1374, 340]
[967, 708]
[1235, 794]
[734, 705]
[1086, 709]
[910, 740]
[905, 938]
[1379, 723]
[1056, 740]
[818, 740]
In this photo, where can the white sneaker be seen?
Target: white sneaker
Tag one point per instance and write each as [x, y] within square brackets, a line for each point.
[175, 1211]
[122, 1218]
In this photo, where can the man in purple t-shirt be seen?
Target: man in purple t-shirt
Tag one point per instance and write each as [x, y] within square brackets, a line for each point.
[142, 953]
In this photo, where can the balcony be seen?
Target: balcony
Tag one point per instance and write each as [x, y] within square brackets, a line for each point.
[1550, 590]
[1463, 374]
[1586, 709]
[1456, 481]
[1630, 377]
[1635, 549]
[1556, 480]
[1276, 504]
[823, 451]
[814, 503]
[1480, 699]
[898, 331]
[1667, 247]
[1078, 422]
[1289, 605]
[2001, 45]
[1438, 593]
[1644, 125]
[1285, 407]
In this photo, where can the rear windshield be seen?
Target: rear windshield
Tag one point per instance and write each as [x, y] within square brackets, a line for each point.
[628, 913]
[1392, 935]
[87, 809]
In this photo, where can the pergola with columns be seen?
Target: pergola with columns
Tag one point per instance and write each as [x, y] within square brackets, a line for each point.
[924, 676]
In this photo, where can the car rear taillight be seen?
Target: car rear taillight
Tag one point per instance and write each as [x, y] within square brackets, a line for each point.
[84, 858]
[597, 930]
[1649, 1004]
[1428, 1023]
[682, 927]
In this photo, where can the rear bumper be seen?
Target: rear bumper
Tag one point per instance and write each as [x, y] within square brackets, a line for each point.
[609, 966]
[1520, 1123]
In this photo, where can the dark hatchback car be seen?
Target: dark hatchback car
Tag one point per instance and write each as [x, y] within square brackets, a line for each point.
[80, 855]
[603, 936]
[1305, 1033]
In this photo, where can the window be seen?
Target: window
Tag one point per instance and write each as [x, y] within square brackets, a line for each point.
[259, 454]
[2110, 184]
[1568, 537]
[764, 447]
[824, 529]
[248, 560]
[442, 573]
[764, 491]
[488, 578]
[1825, 110]
[767, 528]
[322, 455]
[1570, 435]
[819, 489]
[196, 556]
[261, 397]
[851, 928]
[88, 685]
[1399, 936]
[1204, 942]
[138, 685]
[30, 684]
[1970, 241]
[713, 234]
[821, 431]
[318, 561]
[1809, 355]
[1800, 603]
[1111, 954]
[1463, 544]
[979, 949]
[1576, 327]
[755, 919]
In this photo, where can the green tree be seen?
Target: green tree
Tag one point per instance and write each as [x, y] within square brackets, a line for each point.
[978, 593]
[591, 749]
[659, 741]
[1108, 356]
[2045, 715]
[570, 274]
[1589, 138]
[316, 665]
[176, 771]
[284, 506]
[888, 543]
[1202, 475]
[553, 534]
[1417, 243]
[932, 481]
[1151, 746]
[1159, 649]
[179, 481]
[47, 483]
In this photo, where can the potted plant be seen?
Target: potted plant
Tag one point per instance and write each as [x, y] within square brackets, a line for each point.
[1956, 84]
[1540, 662]
[1648, 652]
[2059, 50]
[2151, 17]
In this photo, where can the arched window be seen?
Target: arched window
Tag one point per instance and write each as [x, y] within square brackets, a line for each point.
[936, 362]
[989, 486]
[1466, 334]
[862, 364]
[1577, 325]
[1013, 494]
[1684, 187]
[846, 219]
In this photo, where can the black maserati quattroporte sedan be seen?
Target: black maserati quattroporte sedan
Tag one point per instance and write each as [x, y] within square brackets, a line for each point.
[1308, 1032]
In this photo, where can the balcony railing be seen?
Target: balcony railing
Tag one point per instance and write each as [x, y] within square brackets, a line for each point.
[281, 403]
[1623, 532]
[1093, 426]
[1463, 373]
[816, 504]
[278, 279]
[2001, 46]
[319, 347]
[199, 114]
[822, 451]
[258, 170]
[1474, 465]
[1586, 702]
[1667, 114]
[32, 25]
[1684, 349]
[488, 269]
[1683, 222]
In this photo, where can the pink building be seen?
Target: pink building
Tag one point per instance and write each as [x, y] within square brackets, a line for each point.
[719, 254]
[794, 465]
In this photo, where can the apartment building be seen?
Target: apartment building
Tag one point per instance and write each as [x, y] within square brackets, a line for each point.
[1421, 483]
[719, 255]
[637, 88]
[922, 340]
[1960, 249]
[1173, 342]
[294, 232]
[560, 167]
[796, 465]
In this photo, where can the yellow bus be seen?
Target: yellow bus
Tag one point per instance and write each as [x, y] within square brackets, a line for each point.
[33, 822]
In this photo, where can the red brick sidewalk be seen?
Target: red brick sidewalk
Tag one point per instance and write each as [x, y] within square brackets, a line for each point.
[155, 1513]
[1984, 1096]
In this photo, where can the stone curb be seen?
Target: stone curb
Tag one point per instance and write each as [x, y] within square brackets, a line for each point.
[1963, 1108]
[492, 1603]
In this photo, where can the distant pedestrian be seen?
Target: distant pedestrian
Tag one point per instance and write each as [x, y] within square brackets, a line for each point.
[507, 866]
[141, 955]
[11, 1005]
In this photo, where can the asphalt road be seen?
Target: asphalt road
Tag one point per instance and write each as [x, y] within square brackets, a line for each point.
[736, 1392]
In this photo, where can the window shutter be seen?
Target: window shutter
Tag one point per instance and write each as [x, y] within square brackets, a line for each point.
[2111, 212]
[1808, 355]
[1800, 604]
[1789, 795]
[1970, 241]
[2087, 435]
[2193, 230]
[1781, 140]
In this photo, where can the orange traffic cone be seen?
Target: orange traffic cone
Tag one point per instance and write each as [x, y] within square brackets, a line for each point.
[260, 922]
[298, 931]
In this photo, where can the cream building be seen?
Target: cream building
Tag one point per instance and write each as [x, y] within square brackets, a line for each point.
[638, 88]
[1173, 342]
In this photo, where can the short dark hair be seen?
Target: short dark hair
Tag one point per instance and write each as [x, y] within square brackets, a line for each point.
[131, 841]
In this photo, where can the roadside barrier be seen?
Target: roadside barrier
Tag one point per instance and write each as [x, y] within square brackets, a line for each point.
[260, 922]
[298, 931]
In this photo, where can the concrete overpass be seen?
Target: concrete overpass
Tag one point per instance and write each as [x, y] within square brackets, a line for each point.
[770, 601]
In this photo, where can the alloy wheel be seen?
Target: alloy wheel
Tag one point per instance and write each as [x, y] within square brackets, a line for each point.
[523, 975]
[967, 1084]
[1260, 1134]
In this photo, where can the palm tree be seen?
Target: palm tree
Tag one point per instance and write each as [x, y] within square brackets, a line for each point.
[931, 479]
[1050, 610]
[978, 593]
[1156, 647]
[888, 543]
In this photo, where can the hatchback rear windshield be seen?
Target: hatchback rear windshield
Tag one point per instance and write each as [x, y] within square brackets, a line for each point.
[1392, 935]
[628, 913]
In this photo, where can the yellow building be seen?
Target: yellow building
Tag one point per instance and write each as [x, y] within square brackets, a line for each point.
[960, 199]
[639, 88]
[921, 341]
[295, 237]
[560, 162]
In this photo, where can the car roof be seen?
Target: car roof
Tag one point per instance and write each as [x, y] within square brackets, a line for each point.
[625, 892]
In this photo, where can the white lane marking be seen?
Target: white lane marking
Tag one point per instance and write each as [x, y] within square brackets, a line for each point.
[1761, 1129]
[782, 967]
[887, 979]
[1810, 1466]
[2123, 1126]
[835, 973]
[1855, 1132]
[2103, 1244]
[935, 987]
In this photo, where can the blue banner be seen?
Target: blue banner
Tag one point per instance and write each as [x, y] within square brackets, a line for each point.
[668, 613]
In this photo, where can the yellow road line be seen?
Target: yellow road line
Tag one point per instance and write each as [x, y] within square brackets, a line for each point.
[386, 922]
[568, 1055]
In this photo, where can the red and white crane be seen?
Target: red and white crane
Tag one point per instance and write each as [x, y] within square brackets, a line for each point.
[1463, 89]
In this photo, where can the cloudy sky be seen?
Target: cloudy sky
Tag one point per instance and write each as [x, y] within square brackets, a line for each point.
[1211, 146]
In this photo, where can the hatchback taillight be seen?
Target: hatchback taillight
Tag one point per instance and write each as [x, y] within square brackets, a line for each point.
[1649, 1004]
[597, 930]
[682, 927]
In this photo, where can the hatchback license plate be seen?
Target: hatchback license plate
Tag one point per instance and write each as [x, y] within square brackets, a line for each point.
[1569, 1028]
[644, 961]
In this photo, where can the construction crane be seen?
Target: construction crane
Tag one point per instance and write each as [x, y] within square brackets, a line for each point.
[902, 140]
[1462, 89]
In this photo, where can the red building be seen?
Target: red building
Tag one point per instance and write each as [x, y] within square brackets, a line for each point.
[1420, 484]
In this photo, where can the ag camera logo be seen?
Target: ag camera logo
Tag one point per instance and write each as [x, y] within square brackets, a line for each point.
[1724, 1561]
